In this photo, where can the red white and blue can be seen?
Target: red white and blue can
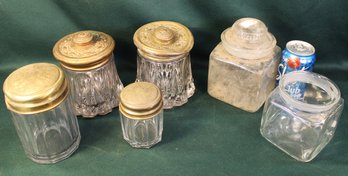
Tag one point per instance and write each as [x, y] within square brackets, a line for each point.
[298, 55]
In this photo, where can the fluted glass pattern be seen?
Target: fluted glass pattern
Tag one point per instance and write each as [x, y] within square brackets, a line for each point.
[95, 92]
[142, 133]
[50, 136]
[174, 78]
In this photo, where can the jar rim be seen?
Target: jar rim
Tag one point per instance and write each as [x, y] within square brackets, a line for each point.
[310, 78]
[161, 59]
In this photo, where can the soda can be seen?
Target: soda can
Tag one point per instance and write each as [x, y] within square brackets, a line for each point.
[298, 55]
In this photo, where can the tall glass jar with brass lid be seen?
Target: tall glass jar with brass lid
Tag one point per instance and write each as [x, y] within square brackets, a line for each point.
[141, 112]
[163, 59]
[39, 99]
[88, 61]
[242, 67]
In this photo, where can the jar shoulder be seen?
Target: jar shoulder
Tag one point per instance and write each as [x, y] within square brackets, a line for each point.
[271, 61]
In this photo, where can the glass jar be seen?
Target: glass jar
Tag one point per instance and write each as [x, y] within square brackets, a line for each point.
[39, 99]
[302, 126]
[164, 60]
[141, 113]
[242, 68]
[88, 61]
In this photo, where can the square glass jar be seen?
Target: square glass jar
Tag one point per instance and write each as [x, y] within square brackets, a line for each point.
[243, 67]
[242, 83]
[302, 126]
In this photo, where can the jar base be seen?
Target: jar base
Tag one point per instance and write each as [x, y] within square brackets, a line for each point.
[169, 104]
[301, 159]
[144, 145]
[90, 114]
[56, 158]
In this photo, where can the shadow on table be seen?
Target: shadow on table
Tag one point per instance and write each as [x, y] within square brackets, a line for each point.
[102, 131]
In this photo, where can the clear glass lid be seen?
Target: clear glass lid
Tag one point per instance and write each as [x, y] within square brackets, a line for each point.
[248, 38]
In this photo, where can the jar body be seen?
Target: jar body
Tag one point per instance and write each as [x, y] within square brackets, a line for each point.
[300, 133]
[49, 136]
[243, 83]
[174, 78]
[142, 133]
[95, 92]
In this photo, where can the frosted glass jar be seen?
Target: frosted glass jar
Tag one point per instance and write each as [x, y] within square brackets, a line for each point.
[302, 126]
[38, 97]
[242, 68]
[141, 113]
[164, 60]
[88, 62]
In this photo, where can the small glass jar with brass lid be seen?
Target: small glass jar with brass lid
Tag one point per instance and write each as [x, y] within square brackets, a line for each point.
[141, 113]
[88, 61]
[39, 99]
[163, 59]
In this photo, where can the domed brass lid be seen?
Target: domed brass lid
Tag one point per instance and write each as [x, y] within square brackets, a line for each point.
[140, 100]
[163, 38]
[84, 50]
[35, 88]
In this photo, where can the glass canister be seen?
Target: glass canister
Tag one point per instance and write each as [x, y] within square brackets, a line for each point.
[141, 113]
[88, 61]
[242, 68]
[302, 126]
[38, 97]
[164, 60]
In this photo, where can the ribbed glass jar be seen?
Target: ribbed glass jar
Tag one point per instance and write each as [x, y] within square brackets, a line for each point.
[88, 61]
[95, 92]
[174, 78]
[142, 133]
[302, 126]
[40, 102]
[242, 68]
[164, 60]
[141, 113]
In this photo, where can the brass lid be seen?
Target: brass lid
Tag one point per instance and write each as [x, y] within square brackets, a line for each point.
[163, 38]
[140, 100]
[84, 50]
[35, 88]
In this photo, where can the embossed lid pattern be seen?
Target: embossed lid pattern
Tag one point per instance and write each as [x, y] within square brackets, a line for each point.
[84, 50]
[164, 38]
[35, 88]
